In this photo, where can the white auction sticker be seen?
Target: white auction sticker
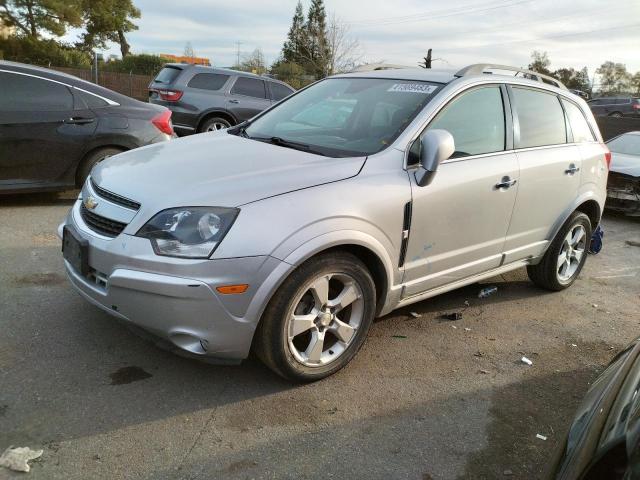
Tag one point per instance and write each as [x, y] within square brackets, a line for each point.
[412, 88]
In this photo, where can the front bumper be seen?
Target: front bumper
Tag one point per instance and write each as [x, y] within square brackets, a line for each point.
[175, 299]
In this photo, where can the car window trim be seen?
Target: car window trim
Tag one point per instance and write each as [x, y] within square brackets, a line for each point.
[109, 101]
[508, 117]
[231, 92]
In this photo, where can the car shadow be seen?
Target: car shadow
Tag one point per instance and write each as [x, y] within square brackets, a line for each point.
[39, 199]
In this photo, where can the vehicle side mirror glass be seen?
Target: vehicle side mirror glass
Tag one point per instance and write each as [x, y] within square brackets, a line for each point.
[436, 146]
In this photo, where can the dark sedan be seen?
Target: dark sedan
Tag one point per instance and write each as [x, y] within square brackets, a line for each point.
[55, 127]
[604, 440]
[623, 184]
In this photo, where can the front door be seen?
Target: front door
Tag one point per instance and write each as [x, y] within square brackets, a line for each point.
[460, 220]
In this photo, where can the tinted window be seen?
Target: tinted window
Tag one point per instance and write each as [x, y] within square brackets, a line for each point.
[541, 118]
[279, 91]
[476, 121]
[208, 81]
[91, 101]
[20, 93]
[579, 126]
[167, 75]
[251, 87]
[628, 144]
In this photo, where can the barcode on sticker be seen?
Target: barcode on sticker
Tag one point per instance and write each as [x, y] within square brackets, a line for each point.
[412, 88]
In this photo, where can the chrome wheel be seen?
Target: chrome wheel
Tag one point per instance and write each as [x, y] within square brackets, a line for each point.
[571, 253]
[324, 318]
[212, 127]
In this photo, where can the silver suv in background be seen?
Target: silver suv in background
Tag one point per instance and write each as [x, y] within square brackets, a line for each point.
[203, 99]
[355, 196]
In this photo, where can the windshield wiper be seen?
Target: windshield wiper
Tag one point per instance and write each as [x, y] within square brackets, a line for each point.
[281, 142]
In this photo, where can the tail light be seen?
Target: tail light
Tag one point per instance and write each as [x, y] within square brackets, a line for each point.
[162, 122]
[607, 156]
[169, 95]
[635, 106]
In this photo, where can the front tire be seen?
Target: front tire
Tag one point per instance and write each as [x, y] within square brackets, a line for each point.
[214, 124]
[318, 319]
[92, 160]
[566, 255]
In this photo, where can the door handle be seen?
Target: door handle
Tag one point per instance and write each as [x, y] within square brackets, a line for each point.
[572, 169]
[234, 101]
[505, 183]
[78, 120]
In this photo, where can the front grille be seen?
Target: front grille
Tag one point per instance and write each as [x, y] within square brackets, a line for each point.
[114, 198]
[102, 225]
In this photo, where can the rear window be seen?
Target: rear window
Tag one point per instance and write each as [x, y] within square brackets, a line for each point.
[279, 91]
[208, 81]
[167, 75]
[251, 87]
[541, 118]
[578, 124]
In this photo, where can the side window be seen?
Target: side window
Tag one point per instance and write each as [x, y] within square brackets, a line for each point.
[208, 81]
[21, 93]
[578, 124]
[89, 101]
[251, 87]
[279, 91]
[476, 120]
[541, 118]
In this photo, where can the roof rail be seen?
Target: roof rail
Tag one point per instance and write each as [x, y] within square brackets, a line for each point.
[480, 68]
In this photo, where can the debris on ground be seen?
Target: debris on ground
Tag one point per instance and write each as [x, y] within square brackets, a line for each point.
[452, 316]
[485, 292]
[507, 473]
[415, 314]
[467, 329]
[573, 345]
[483, 371]
[478, 354]
[633, 243]
[526, 361]
[16, 458]
[398, 336]
[594, 305]
[453, 326]
[541, 437]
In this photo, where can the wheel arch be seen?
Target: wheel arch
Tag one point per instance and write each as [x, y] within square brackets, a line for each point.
[216, 113]
[90, 152]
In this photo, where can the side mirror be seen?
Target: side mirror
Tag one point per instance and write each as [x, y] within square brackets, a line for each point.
[436, 146]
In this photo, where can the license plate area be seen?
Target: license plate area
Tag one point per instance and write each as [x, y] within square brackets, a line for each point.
[75, 250]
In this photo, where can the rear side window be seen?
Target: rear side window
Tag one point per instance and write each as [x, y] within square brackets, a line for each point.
[279, 91]
[90, 101]
[208, 81]
[21, 93]
[476, 121]
[167, 75]
[578, 124]
[541, 118]
[251, 87]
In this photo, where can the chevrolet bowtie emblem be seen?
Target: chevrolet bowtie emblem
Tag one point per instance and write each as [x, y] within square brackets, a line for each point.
[90, 203]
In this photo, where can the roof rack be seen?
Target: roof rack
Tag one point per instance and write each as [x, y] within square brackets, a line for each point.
[480, 68]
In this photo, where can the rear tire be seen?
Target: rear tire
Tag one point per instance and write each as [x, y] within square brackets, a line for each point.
[566, 255]
[318, 319]
[616, 115]
[213, 124]
[92, 160]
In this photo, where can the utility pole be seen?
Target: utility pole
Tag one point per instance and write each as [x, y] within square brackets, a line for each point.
[238, 53]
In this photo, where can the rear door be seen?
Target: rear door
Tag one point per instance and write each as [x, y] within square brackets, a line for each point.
[43, 131]
[550, 166]
[248, 98]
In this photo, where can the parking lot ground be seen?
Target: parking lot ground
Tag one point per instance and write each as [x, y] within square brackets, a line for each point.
[426, 398]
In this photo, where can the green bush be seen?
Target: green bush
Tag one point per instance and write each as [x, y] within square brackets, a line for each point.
[43, 52]
[142, 64]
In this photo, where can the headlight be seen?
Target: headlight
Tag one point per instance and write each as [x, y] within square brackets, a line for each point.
[188, 232]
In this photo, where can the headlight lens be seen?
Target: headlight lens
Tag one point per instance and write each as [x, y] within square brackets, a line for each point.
[188, 232]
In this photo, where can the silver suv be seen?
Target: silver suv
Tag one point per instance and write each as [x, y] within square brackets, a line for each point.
[360, 194]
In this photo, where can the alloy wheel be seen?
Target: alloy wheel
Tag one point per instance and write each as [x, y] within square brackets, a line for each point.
[216, 126]
[571, 253]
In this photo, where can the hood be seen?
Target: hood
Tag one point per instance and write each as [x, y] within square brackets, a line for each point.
[626, 164]
[216, 169]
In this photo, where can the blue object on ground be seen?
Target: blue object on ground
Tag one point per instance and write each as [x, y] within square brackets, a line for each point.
[596, 240]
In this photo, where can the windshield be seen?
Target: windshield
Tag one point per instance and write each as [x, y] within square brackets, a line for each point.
[627, 144]
[340, 117]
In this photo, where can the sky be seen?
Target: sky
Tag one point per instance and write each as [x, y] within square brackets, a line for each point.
[575, 33]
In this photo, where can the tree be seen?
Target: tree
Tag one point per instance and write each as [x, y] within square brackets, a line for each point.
[575, 79]
[540, 62]
[343, 50]
[295, 45]
[290, 72]
[254, 62]
[188, 50]
[427, 60]
[635, 84]
[317, 47]
[108, 21]
[614, 77]
[32, 18]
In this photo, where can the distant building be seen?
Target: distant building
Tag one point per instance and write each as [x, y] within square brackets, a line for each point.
[191, 60]
[6, 31]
